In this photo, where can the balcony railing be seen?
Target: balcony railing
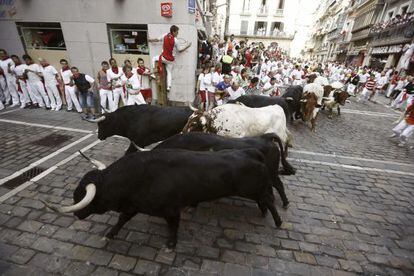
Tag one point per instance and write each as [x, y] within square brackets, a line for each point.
[279, 12]
[397, 34]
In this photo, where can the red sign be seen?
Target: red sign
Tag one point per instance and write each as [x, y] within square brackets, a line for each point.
[166, 9]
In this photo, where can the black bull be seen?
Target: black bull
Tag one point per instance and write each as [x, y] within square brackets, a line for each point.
[143, 124]
[161, 183]
[269, 145]
[293, 96]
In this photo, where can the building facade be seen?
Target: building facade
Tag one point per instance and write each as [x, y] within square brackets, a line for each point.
[263, 21]
[376, 33]
[88, 32]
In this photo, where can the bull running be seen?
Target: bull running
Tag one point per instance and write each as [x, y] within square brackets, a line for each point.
[243, 141]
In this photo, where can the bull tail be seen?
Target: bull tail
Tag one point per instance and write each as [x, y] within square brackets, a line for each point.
[287, 168]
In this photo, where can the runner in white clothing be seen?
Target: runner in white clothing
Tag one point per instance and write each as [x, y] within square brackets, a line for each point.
[114, 75]
[34, 74]
[69, 86]
[133, 86]
[19, 71]
[10, 89]
[51, 77]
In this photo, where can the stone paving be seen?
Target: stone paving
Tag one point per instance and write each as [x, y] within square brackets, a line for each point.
[341, 220]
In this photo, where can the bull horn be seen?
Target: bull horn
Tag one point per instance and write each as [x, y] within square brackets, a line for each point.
[289, 99]
[192, 107]
[98, 164]
[139, 148]
[90, 194]
[100, 119]
[106, 110]
[303, 101]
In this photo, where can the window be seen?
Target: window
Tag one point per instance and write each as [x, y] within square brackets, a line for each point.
[276, 27]
[260, 28]
[243, 27]
[46, 36]
[404, 9]
[281, 4]
[128, 39]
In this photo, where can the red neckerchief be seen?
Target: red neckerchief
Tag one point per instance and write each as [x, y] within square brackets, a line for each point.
[65, 68]
[141, 69]
[6, 57]
[46, 65]
[131, 74]
[115, 69]
[31, 62]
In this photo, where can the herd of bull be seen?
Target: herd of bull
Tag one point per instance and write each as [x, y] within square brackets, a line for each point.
[232, 150]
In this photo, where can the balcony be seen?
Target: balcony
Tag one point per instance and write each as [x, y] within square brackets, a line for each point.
[279, 13]
[262, 11]
[398, 34]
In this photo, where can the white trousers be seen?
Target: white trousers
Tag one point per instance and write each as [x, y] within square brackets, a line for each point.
[168, 68]
[135, 99]
[118, 93]
[106, 97]
[390, 89]
[39, 92]
[12, 91]
[364, 95]
[5, 95]
[403, 129]
[351, 89]
[71, 98]
[28, 97]
[54, 96]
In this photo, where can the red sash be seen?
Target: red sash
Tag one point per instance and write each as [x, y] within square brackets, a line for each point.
[167, 51]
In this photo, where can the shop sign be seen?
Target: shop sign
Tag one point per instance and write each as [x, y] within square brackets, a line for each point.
[191, 6]
[387, 49]
[166, 9]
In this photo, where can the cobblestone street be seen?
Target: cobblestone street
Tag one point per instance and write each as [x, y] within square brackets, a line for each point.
[351, 206]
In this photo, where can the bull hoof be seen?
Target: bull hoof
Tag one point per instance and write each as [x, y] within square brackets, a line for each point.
[264, 213]
[278, 223]
[285, 205]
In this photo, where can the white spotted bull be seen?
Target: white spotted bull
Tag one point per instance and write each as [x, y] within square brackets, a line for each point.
[239, 121]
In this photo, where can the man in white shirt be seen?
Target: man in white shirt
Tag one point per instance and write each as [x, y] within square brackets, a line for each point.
[19, 71]
[51, 77]
[270, 87]
[296, 76]
[381, 82]
[7, 66]
[69, 86]
[133, 86]
[114, 75]
[34, 73]
[235, 91]
[363, 78]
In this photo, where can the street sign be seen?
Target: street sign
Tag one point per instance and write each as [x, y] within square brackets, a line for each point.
[191, 6]
[166, 9]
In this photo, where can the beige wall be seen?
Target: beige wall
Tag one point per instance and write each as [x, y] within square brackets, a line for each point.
[84, 27]
[52, 56]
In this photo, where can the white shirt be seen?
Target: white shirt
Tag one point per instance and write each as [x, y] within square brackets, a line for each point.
[4, 64]
[31, 76]
[176, 45]
[216, 78]
[132, 84]
[89, 79]
[296, 74]
[66, 76]
[382, 81]
[268, 88]
[49, 75]
[144, 79]
[19, 69]
[208, 84]
[363, 77]
[235, 94]
[113, 78]
[201, 80]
